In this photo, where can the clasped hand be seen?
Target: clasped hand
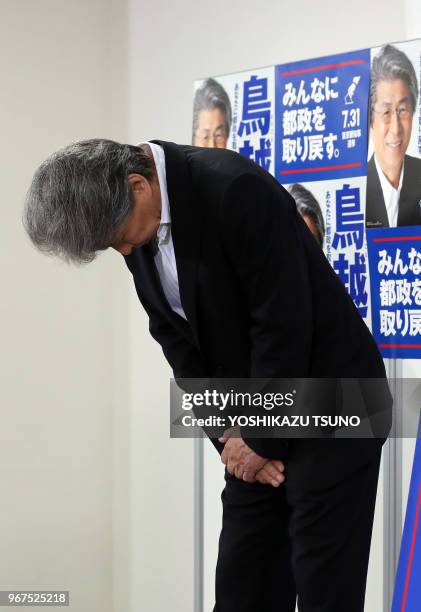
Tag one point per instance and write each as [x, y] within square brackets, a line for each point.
[241, 461]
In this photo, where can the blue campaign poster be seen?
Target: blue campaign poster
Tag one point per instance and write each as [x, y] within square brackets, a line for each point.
[395, 279]
[407, 595]
[321, 108]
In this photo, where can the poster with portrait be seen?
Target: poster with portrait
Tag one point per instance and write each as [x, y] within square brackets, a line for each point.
[393, 209]
[394, 153]
[237, 112]
[343, 134]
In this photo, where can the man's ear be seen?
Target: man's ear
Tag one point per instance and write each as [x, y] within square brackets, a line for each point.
[138, 183]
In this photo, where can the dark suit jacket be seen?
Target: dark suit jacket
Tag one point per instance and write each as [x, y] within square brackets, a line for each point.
[409, 201]
[260, 297]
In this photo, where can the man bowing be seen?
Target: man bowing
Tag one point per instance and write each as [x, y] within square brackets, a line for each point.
[235, 286]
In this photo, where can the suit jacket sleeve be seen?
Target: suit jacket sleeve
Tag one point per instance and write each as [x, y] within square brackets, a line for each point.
[263, 240]
[181, 354]
[183, 357]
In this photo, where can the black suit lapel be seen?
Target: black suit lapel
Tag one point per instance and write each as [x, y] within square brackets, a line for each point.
[148, 285]
[410, 196]
[185, 227]
[375, 212]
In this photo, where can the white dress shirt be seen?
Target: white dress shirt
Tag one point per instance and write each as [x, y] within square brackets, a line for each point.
[390, 195]
[165, 257]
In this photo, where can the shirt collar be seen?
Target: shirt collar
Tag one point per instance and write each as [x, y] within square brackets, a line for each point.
[164, 229]
[387, 188]
[390, 195]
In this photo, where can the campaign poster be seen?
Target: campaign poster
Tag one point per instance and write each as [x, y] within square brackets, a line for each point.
[343, 134]
[237, 112]
[334, 212]
[321, 118]
[393, 209]
[395, 277]
[407, 593]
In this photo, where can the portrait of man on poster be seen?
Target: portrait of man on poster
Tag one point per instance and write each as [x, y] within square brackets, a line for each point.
[309, 209]
[212, 116]
[393, 176]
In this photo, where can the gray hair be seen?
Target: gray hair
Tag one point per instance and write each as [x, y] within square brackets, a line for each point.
[80, 195]
[392, 64]
[308, 206]
[211, 95]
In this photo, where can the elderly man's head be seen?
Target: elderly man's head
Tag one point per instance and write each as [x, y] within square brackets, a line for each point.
[89, 196]
[310, 210]
[211, 115]
[393, 99]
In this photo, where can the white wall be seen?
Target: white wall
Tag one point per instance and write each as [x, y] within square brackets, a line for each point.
[170, 45]
[61, 81]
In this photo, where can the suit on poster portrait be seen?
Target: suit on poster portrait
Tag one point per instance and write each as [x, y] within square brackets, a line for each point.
[409, 208]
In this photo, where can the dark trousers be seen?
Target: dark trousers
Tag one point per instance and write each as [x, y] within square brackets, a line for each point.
[309, 538]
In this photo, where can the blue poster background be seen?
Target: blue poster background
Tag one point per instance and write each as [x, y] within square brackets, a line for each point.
[396, 290]
[321, 108]
[407, 595]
